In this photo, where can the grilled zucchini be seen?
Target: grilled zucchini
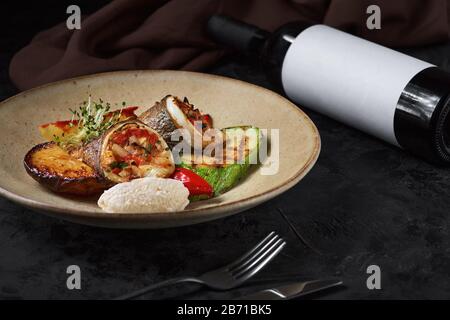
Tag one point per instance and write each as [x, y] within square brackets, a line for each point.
[241, 146]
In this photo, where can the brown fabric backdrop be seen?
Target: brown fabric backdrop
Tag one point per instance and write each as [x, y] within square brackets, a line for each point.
[170, 34]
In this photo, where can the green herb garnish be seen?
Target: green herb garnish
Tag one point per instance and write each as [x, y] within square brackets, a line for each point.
[119, 165]
[148, 150]
[91, 122]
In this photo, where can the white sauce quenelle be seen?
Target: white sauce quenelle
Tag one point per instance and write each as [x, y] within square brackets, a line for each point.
[145, 195]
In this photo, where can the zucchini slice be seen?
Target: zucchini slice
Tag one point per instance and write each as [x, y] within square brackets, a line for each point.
[241, 151]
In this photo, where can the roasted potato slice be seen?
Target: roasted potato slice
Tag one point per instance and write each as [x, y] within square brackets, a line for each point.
[60, 130]
[54, 168]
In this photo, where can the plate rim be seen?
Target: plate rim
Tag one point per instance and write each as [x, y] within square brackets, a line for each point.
[187, 213]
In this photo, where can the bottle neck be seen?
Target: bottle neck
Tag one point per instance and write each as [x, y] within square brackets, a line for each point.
[236, 34]
[275, 48]
[253, 41]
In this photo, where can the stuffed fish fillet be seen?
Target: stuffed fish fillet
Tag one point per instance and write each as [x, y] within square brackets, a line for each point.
[171, 114]
[127, 151]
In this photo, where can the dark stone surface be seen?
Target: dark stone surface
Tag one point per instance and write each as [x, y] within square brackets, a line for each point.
[365, 202]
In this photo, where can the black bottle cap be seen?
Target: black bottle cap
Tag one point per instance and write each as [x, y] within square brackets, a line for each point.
[422, 116]
[236, 34]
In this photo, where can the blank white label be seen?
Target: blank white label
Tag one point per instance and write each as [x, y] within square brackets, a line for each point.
[348, 78]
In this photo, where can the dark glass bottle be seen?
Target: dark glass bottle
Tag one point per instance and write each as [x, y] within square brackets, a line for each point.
[397, 98]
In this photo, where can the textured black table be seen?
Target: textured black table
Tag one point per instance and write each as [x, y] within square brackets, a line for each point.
[364, 203]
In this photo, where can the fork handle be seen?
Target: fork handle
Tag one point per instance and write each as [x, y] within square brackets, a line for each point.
[158, 285]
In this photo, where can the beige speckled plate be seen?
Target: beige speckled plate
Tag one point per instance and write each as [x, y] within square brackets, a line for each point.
[230, 102]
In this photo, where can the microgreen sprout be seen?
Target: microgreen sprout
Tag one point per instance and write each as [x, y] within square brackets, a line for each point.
[92, 119]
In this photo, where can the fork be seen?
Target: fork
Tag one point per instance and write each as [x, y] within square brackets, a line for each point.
[231, 275]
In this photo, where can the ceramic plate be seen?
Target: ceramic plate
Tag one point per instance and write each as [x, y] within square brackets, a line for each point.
[230, 102]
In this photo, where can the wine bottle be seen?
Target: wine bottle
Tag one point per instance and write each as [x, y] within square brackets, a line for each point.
[388, 94]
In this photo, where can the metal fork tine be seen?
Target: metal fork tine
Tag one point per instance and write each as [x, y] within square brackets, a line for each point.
[223, 279]
[255, 254]
[237, 262]
[258, 264]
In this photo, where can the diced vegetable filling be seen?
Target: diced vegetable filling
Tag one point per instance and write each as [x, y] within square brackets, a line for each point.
[132, 152]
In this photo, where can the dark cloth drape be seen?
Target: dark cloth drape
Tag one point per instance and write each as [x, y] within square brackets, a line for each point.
[170, 34]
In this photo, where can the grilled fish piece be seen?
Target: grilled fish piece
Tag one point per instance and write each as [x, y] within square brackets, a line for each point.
[171, 114]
